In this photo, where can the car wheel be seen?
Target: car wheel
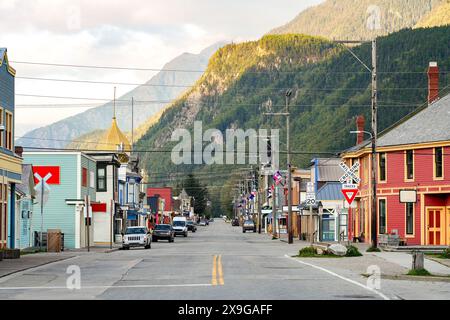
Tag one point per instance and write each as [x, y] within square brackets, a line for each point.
[185, 234]
[243, 230]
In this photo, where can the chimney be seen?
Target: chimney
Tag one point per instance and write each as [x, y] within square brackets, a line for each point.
[360, 123]
[433, 82]
[18, 150]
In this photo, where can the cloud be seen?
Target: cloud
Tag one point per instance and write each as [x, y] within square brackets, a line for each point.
[120, 33]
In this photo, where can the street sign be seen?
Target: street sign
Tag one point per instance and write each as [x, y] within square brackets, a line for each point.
[349, 191]
[349, 173]
[310, 194]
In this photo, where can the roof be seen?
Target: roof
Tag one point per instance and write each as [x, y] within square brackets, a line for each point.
[328, 169]
[330, 191]
[429, 124]
[115, 138]
[4, 58]
[27, 185]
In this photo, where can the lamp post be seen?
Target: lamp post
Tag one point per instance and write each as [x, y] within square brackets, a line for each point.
[373, 229]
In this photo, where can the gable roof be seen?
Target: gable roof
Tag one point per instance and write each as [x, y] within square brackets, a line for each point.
[428, 124]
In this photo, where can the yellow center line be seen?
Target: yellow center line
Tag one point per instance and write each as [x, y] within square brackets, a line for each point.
[219, 269]
[214, 274]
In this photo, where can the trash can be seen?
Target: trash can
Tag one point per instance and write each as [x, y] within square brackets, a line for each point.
[54, 238]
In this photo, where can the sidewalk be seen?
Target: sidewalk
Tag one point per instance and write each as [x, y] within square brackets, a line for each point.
[9, 266]
[405, 260]
[96, 249]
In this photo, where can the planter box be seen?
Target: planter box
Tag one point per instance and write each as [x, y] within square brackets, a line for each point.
[10, 253]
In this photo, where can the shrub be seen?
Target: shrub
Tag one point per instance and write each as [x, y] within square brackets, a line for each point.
[353, 251]
[373, 249]
[307, 252]
[445, 254]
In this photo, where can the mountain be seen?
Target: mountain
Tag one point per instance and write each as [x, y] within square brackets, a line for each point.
[330, 88]
[60, 133]
[347, 19]
[439, 16]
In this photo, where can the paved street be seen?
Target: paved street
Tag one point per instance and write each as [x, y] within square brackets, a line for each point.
[216, 262]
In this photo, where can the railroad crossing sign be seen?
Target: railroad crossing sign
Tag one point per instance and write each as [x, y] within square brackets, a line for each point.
[42, 185]
[349, 173]
[349, 191]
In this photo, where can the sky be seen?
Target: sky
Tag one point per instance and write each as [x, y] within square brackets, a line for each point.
[130, 33]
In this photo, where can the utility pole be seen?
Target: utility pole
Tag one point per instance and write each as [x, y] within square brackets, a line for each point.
[42, 214]
[288, 145]
[132, 123]
[373, 71]
[374, 141]
[259, 202]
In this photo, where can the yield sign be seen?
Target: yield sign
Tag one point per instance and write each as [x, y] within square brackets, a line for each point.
[349, 195]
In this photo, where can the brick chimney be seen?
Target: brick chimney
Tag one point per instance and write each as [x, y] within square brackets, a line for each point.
[433, 82]
[360, 124]
[18, 150]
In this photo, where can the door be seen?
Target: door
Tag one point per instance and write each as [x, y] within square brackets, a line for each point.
[448, 226]
[434, 226]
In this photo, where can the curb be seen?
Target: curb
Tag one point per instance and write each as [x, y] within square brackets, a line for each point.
[417, 278]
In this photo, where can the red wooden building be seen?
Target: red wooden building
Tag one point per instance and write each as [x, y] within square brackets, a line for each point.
[413, 155]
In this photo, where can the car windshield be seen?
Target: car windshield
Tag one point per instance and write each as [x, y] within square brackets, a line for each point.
[162, 227]
[248, 222]
[136, 231]
[179, 223]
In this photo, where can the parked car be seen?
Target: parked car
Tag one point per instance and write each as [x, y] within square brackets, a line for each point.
[137, 237]
[235, 223]
[202, 223]
[211, 220]
[248, 225]
[180, 226]
[163, 232]
[191, 226]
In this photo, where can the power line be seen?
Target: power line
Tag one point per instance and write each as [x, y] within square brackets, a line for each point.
[196, 71]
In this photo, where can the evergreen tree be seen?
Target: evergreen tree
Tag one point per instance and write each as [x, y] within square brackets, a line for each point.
[196, 190]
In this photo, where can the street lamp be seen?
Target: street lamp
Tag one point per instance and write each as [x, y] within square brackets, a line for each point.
[374, 189]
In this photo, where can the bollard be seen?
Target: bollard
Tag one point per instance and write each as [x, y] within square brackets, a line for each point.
[417, 260]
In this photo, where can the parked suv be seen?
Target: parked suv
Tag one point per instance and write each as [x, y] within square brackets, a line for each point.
[248, 225]
[137, 237]
[163, 231]
[191, 226]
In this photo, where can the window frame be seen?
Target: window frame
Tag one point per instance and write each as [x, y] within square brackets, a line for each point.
[379, 215]
[413, 215]
[104, 178]
[385, 167]
[407, 152]
[2, 133]
[9, 130]
[84, 178]
[435, 176]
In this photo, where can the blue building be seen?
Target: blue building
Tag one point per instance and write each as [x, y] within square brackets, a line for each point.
[10, 163]
[70, 176]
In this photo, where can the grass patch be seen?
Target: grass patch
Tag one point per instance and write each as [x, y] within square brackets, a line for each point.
[353, 251]
[418, 272]
[311, 252]
[373, 249]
